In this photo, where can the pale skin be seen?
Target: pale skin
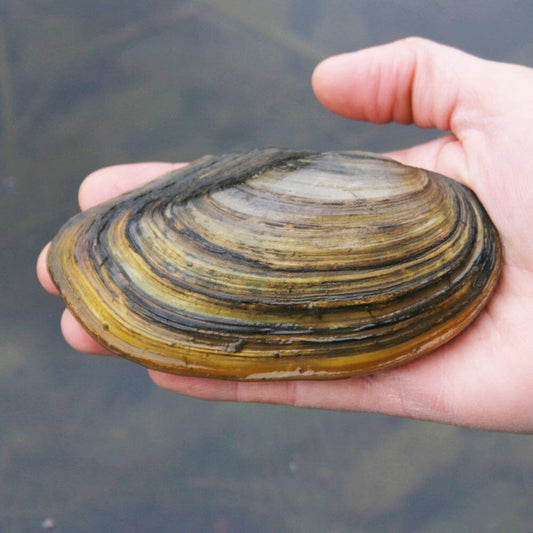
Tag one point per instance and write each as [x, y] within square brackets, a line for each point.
[484, 377]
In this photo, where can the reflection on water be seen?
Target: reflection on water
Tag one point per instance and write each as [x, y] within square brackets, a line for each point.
[89, 444]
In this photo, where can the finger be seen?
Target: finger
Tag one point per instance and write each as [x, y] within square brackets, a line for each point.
[409, 81]
[222, 390]
[351, 393]
[42, 272]
[78, 338]
[386, 392]
[108, 182]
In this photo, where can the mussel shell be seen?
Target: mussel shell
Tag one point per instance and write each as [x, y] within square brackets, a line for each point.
[280, 265]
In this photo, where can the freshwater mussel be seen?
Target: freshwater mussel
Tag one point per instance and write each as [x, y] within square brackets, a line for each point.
[279, 264]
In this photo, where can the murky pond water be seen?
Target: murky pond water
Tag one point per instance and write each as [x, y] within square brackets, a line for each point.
[88, 443]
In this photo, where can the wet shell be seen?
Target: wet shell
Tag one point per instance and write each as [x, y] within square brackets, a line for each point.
[280, 265]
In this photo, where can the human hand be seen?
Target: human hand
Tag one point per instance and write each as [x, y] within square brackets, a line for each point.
[484, 377]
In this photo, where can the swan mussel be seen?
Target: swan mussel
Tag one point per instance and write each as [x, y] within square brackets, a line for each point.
[280, 265]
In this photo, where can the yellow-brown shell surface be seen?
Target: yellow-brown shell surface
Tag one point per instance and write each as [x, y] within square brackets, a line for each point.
[280, 265]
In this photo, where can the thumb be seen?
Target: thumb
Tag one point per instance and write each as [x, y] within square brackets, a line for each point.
[409, 81]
